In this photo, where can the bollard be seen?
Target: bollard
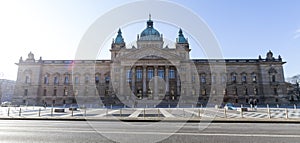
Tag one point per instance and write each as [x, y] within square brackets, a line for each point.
[110, 106]
[199, 113]
[295, 106]
[242, 113]
[39, 112]
[169, 106]
[192, 106]
[106, 112]
[8, 111]
[157, 112]
[277, 106]
[241, 105]
[120, 112]
[225, 114]
[84, 111]
[269, 113]
[20, 112]
[72, 112]
[144, 113]
[183, 112]
[286, 113]
[51, 111]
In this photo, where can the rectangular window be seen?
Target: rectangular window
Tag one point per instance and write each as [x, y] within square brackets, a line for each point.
[65, 91]
[139, 74]
[171, 74]
[150, 73]
[161, 73]
[45, 92]
[128, 75]
[76, 80]
[25, 92]
[275, 91]
[54, 92]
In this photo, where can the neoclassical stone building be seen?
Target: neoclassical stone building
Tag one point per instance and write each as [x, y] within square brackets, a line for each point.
[151, 73]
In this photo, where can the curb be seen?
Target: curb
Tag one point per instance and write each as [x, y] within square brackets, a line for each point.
[155, 119]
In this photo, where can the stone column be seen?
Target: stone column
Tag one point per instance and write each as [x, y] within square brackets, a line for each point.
[167, 79]
[144, 80]
[155, 81]
[121, 81]
[178, 83]
[133, 81]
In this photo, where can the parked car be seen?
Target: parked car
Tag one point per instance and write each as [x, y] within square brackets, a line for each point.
[5, 104]
[230, 106]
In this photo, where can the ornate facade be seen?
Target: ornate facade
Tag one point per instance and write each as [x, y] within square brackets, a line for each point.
[153, 74]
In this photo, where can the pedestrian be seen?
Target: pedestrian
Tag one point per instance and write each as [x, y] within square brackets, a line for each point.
[45, 105]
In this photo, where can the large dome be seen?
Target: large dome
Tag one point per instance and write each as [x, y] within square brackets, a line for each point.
[150, 30]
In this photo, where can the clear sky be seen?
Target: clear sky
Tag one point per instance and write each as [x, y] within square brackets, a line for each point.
[53, 28]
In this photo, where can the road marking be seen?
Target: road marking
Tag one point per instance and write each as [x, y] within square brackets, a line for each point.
[165, 113]
[136, 113]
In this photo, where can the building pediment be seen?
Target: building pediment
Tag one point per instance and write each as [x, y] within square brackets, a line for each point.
[148, 52]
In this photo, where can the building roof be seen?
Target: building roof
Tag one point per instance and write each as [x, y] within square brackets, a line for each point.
[150, 30]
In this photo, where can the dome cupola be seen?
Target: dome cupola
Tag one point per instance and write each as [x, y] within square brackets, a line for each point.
[150, 31]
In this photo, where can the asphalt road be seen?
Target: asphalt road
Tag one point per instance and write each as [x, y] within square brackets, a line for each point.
[31, 131]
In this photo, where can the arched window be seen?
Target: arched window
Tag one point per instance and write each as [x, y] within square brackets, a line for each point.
[27, 79]
[46, 79]
[202, 78]
[254, 77]
[66, 81]
[273, 78]
[233, 77]
[244, 77]
[55, 80]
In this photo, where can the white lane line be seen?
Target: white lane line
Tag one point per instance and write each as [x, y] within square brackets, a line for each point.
[165, 113]
[102, 131]
[136, 113]
[110, 112]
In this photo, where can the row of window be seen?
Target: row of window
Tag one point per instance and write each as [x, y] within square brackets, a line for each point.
[224, 78]
[67, 79]
[150, 74]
